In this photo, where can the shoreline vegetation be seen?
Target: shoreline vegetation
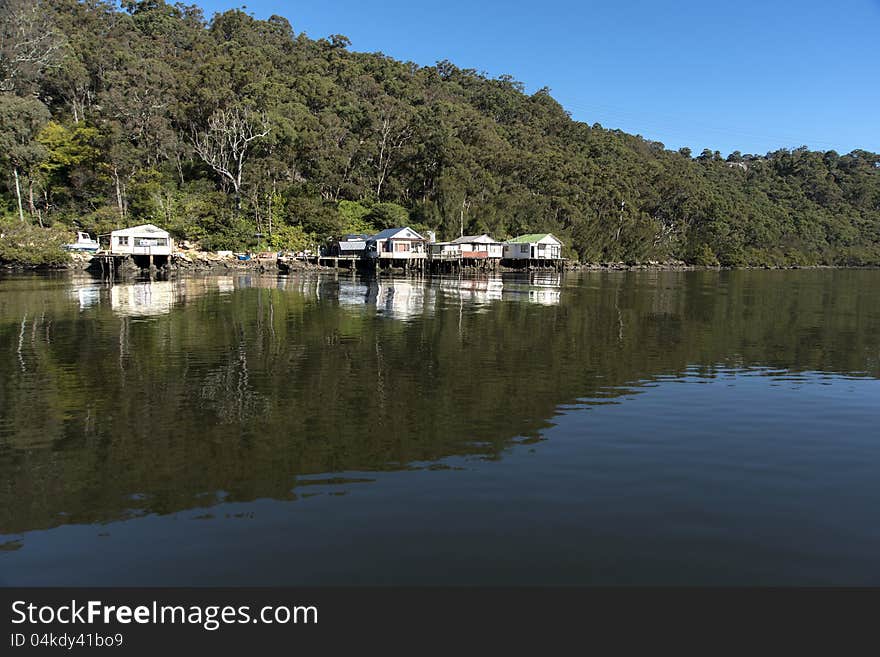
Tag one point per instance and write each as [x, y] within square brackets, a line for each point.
[240, 134]
[209, 262]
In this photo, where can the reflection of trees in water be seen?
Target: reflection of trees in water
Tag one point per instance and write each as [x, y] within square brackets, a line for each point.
[229, 391]
[244, 392]
[21, 345]
[32, 328]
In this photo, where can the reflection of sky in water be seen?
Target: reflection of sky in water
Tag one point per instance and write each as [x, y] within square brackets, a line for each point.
[638, 488]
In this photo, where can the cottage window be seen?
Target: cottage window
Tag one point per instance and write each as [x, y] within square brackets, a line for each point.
[524, 248]
[401, 246]
[150, 241]
[122, 240]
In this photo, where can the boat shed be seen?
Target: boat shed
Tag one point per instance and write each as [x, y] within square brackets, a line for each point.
[148, 245]
[348, 246]
[141, 240]
[479, 246]
[534, 246]
[397, 245]
[444, 251]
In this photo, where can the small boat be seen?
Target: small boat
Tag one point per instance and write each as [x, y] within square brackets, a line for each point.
[243, 256]
[84, 242]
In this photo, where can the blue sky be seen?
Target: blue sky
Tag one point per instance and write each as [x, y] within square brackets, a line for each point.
[747, 75]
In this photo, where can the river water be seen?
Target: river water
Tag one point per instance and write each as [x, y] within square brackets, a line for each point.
[596, 428]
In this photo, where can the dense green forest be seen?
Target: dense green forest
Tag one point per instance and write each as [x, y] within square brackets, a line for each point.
[223, 128]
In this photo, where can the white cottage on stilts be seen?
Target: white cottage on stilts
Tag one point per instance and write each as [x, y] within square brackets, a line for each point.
[147, 244]
[533, 250]
[397, 247]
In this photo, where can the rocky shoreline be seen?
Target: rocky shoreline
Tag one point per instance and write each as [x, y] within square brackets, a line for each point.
[678, 265]
[208, 262]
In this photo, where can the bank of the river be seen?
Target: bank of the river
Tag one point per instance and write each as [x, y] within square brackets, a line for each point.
[195, 262]
[679, 265]
[206, 261]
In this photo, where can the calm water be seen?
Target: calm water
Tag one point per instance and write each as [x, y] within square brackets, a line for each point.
[604, 428]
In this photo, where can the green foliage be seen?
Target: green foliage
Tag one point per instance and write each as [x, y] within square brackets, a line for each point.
[355, 217]
[290, 238]
[146, 196]
[195, 211]
[66, 148]
[100, 222]
[387, 215]
[314, 215]
[230, 233]
[704, 255]
[26, 244]
[357, 142]
[20, 121]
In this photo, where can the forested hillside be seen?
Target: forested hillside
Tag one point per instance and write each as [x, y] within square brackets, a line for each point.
[222, 128]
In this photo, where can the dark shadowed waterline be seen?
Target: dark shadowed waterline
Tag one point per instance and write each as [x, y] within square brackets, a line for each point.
[598, 428]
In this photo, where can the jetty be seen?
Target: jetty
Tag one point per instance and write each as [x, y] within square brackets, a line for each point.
[402, 248]
[148, 247]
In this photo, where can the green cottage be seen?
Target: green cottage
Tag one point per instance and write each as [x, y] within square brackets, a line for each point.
[534, 246]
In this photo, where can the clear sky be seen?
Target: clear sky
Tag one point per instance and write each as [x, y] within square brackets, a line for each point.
[748, 75]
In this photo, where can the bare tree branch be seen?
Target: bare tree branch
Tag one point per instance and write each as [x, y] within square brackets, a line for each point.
[392, 134]
[224, 145]
[28, 43]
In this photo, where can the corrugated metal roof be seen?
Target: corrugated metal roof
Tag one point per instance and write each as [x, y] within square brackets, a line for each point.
[392, 232]
[145, 229]
[531, 238]
[471, 239]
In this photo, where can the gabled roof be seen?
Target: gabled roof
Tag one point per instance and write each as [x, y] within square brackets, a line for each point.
[474, 239]
[145, 229]
[531, 238]
[403, 232]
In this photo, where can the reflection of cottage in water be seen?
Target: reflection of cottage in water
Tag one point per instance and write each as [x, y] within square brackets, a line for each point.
[87, 295]
[142, 299]
[478, 290]
[404, 299]
[225, 284]
[544, 288]
[400, 299]
[544, 296]
[153, 297]
[354, 293]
